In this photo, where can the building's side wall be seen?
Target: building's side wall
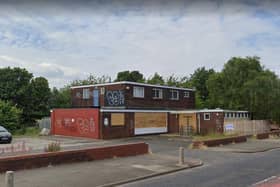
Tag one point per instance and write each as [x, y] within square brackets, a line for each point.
[121, 95]
[133, 123]
[214, 125]
[165, 103]
[75, 122]
[111, 95]
[109, 131]
[77, 100]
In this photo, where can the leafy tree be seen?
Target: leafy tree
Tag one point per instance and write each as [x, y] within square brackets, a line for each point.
[9, 116]
[236, 72]
[29, 94]
[172, 80]
[263, 101]
[244, 84]
[216, 87]
[133, 76]
[198, 80]
[14, 84]
[60, 98]
[41, 93]
[91, 79]
[156, 79]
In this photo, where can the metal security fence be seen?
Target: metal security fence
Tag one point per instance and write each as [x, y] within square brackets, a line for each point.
[45, 123]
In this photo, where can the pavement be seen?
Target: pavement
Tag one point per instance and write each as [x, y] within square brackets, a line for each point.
[251, 146]
[108, 172]
[162, 160]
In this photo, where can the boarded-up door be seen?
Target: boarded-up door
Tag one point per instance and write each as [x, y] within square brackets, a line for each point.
[149, 123]
[75, 122]
[187, 122]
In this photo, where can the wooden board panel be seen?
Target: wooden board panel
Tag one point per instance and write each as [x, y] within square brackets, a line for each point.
[117, 119]
[146, 120]
[187, 119]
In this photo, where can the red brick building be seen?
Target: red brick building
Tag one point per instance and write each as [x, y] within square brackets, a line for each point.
[124, 109]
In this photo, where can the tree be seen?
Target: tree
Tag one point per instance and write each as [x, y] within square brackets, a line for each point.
[172, 81]
[244, 84]
[29, 94]
[91, 79]
[215, 86]
[14, 84]
[156, 79]
[263, 101]
[133, 76]
[236, 72]
[41, 93]
[60, 98]
[9, 116]
[198, 80]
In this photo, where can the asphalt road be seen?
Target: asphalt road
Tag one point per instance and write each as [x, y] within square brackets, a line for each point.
[220, 169]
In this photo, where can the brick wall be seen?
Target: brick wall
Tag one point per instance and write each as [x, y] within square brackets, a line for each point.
[44, 159]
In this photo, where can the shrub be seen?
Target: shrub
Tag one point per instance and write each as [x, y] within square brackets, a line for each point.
[53, 147]
[9, 116]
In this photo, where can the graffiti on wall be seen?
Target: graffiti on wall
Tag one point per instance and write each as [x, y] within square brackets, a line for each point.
[80, 125]
[76, 122]
[114, 98]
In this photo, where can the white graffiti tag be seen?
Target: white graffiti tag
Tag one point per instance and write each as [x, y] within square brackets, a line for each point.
[115, 98]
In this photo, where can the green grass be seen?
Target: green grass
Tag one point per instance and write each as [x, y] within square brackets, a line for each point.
[212, 136]
[27, 132]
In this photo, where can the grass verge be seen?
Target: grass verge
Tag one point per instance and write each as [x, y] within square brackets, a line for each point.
[212, 136]
[28, 131]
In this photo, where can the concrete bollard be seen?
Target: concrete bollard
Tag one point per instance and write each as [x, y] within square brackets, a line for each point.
[9, 180]
[181, 156]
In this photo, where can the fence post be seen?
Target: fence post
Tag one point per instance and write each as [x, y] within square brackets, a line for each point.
[9, 180]
[181, 156]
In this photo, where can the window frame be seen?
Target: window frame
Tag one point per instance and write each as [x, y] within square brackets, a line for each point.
[157, 93]
[204, 116]
[86, 93]
[171, 97]
[186, 94]
[135, 92]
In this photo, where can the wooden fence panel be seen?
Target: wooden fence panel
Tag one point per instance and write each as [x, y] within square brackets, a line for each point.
[246, 127]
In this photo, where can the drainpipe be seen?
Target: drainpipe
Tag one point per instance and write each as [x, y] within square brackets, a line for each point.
[198, 118]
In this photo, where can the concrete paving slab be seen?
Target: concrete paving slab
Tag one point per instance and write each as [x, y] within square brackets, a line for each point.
[99, 173]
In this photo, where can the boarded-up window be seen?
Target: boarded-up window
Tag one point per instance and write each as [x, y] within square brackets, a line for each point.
[146, 120]
[117, 119]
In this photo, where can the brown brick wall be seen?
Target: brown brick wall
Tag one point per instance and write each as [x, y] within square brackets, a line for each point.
[109, 132]
[214, 125]
[45, 159]
[136, 103]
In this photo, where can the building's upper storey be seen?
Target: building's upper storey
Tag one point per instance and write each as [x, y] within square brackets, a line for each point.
[132, 95]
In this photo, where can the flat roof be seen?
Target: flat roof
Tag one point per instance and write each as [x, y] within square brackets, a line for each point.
[133, 83]
[206, 110]
[134, 110]
[171, 111]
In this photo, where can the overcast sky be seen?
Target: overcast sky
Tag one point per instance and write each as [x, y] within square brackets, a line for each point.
[63, 41]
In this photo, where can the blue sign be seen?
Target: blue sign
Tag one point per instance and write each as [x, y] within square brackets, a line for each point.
[229, 127]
